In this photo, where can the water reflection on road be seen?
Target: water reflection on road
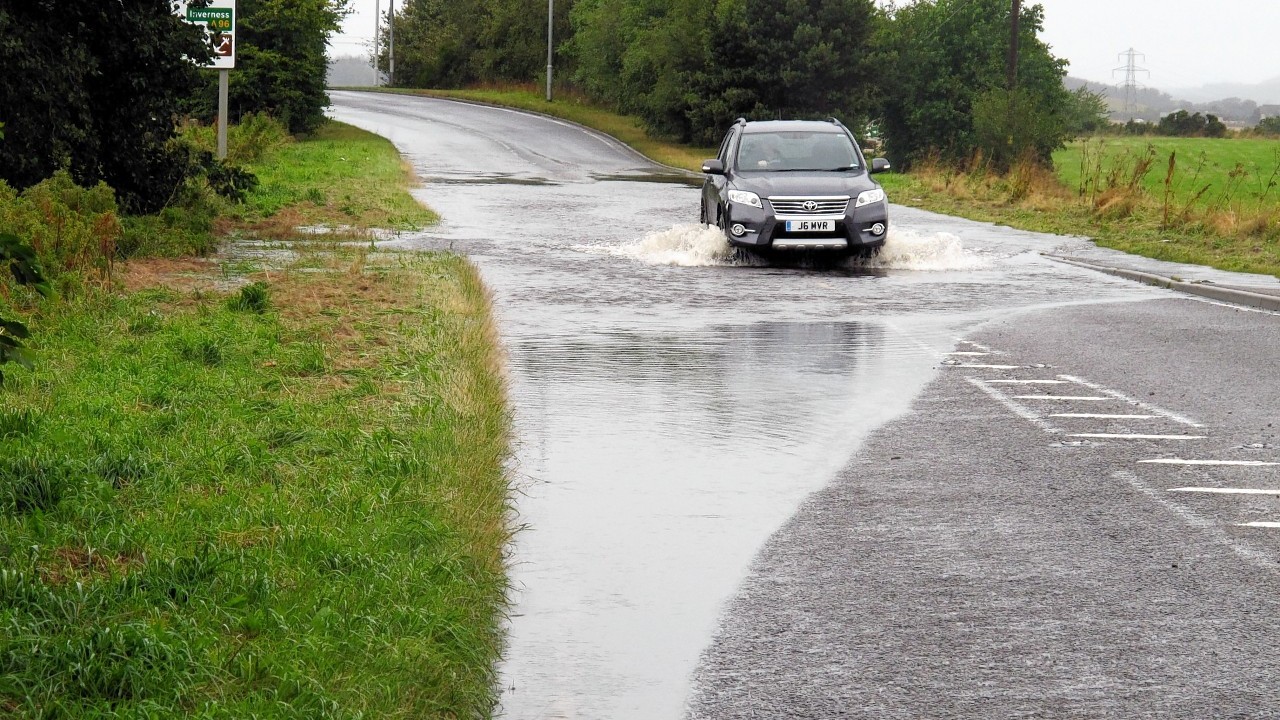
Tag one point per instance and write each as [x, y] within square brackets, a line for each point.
[674, 405]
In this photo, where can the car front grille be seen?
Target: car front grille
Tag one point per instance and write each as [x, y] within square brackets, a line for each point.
[815, 205]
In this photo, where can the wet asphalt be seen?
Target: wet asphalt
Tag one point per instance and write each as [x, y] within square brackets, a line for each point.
[752, 491]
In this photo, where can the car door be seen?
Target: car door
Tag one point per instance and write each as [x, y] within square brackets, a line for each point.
[714, 187]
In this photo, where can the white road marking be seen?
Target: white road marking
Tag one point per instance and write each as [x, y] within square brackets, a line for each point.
[1227, 491]
[967, 354]
[989, 367]
[1059, 397]
[1022, 412]
[980, 346]
[1208, 527]
[1261, 524]
[1103, 416]
[1133, 401]
[1136, 436]
[1028, 382]
[1180, 461]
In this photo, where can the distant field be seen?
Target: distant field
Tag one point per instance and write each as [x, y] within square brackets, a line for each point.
[1238, 173]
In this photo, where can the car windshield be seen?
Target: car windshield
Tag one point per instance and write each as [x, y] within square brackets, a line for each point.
[797, 151]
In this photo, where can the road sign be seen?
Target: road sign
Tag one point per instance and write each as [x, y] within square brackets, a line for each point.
[219, 22]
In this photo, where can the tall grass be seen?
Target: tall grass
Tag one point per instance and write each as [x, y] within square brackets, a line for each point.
[1142, 199]
[282, 502]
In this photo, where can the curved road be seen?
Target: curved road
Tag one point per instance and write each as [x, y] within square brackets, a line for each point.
[915, 488]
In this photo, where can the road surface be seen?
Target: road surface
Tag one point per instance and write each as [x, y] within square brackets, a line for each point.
[946, 483]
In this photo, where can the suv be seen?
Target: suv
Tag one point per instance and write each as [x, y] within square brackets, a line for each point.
[795, 185]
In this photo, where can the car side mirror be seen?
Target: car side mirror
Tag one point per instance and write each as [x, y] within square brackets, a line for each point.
[879, 165]
[714, 166]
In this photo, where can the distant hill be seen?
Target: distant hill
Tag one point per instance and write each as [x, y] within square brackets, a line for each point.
[1263, 93]
[1150, 104]
[349, 72]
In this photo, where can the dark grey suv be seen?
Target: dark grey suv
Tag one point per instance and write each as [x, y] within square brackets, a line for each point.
[795, 185]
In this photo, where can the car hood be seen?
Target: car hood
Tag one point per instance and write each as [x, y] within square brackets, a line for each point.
[804, 184]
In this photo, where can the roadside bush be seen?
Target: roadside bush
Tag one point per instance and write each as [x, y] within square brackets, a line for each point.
[248, 141]
[71, 228]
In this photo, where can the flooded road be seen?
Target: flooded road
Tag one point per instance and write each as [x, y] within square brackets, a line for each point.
[673, 408]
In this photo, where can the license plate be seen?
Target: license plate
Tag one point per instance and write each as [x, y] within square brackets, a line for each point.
[814, 226]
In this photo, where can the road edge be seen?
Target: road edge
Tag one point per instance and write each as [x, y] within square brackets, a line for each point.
[1207, 290]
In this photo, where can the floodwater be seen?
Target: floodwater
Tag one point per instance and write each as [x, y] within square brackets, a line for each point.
[674, 405]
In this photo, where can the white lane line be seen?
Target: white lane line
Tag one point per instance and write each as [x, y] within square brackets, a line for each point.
[980, 346]
[1240, 463]
[988, 367]
[1208, 527]
[1132, 401]
[1017, 409]
[1027, 382]
[967, 354]
[1227, 491]
[1103, 416]
[1059, 397]
[1261, 524]
[1136, 436]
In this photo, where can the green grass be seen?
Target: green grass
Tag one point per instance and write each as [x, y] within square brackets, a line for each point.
[286, 501]
[1236, 172]
[575, 108]
[339, 177]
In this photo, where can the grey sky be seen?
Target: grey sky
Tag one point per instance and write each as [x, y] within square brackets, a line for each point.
[1186, 42]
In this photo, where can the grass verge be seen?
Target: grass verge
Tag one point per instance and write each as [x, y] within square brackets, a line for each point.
[340, 178]
[231, 491]
[286, 501]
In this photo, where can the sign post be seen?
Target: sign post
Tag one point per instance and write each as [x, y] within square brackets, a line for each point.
[219, 23]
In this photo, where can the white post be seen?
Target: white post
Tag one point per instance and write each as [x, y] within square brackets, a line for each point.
[377, 31]
[551, 12]
[223, 83]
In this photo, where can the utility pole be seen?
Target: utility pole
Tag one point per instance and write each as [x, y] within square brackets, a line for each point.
[1131, 71]
[377, 31]
[1013, 44]
[391, 44]
[551, 16]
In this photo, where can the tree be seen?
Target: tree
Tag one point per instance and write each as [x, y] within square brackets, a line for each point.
[280, 62]
[95, 87]
[942, 56]
[1184, 124]
[1086, 113]
[787, 58]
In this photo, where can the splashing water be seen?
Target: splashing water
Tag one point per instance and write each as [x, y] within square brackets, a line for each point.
[687, 245]
[691, 245]
[910, 250]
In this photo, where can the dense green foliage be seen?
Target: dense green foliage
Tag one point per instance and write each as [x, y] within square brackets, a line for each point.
[1184, 124]
[449, 43]
[930, 75]
[24, 267]
[94, 88]
[280, 62]
[944, 74]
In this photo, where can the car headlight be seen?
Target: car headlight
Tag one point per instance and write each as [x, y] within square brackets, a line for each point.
[867, 197]
[743, 197]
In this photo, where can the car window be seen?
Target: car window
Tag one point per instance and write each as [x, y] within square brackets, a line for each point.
[724, 148]
[796, 150]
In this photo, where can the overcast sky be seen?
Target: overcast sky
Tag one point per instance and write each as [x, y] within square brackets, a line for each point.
[1186, 42]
